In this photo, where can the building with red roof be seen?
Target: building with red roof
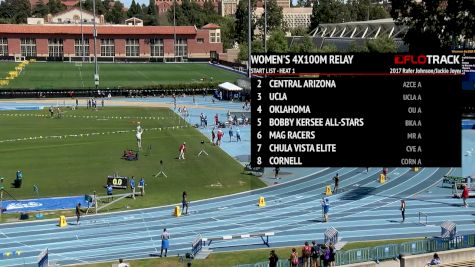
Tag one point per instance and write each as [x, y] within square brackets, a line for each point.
[114, 42]
[67, 3]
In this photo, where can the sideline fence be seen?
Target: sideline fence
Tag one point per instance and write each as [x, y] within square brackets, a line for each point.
[390, 251]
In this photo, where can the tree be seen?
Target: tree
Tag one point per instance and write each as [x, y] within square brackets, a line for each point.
[55, 6]
[208, 8]
[243, 52]
[196, 16]
[274, 17]
[135, 10]
[227, 31]
[299, 31]
[151, 17]
[116, 14]
[277, 42]
[242, 21]
[108, 5]
[305, 46]
[179, 15]
[87, 5]
[328, 11]
[256, 47]
[40, 10]
[358, 48]
[15, 11]
[186, 8]
[327, 49]
[435, 25]
[378, 12]
[382, 45]
[461, 24]
[361, 10]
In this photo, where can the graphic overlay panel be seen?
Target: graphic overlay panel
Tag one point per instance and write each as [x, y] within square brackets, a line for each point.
[324, 110]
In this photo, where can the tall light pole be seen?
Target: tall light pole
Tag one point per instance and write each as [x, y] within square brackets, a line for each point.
[96, 70]
[265, 26]
[82, 33]
[367, 14]
[174, 30]
[1, 196]
[249, 14]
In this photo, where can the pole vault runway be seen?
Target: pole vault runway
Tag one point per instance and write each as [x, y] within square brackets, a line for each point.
[365, 210]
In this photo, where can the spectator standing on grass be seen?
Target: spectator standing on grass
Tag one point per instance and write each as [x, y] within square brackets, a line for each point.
[77, 103]
[165, 242]
[142, 186]
[132, 186]
[109, 190]
[465, 195]
[403, 210]
[294, 258]
[273, 259]
[306, 254]
[315, 254]
[182, 150]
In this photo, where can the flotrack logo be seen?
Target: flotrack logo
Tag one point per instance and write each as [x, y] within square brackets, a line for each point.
[426, 59]
[23, 205]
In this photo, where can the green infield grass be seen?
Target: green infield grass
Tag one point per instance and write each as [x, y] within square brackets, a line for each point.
[76, 165]
[51, 75]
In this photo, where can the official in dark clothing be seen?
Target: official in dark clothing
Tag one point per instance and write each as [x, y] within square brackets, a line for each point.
[403, 210]
[273, 259]
[78, 212]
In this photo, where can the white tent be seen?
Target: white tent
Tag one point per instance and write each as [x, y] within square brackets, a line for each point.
[227, 86]
[229, 91]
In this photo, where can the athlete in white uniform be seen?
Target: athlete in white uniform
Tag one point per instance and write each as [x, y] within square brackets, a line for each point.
[139, 136]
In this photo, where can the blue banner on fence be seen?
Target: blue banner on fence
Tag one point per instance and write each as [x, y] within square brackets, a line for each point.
[57, 203]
